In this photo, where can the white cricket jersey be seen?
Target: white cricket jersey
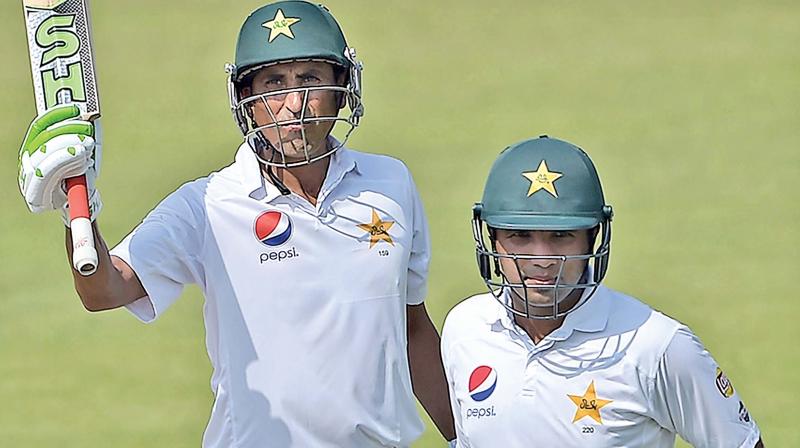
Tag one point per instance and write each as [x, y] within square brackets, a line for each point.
[615, 374]
[305, 309]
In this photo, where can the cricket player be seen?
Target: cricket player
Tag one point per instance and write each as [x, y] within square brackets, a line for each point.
[312, 257]
[550, 357]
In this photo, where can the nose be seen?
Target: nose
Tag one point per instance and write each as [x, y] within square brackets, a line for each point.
[542, 249]
[545, 269]
[544, 263]
[540, 267]
[294, 102]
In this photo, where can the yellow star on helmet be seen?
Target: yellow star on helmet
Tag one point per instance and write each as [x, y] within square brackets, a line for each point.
[378, 230]
[280, 25]
[542, 179]
[588, 405]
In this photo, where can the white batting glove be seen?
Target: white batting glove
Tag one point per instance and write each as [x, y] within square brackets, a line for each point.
[58, 146]
[452, 443]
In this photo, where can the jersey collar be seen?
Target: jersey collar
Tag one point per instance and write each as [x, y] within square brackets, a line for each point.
[591, 317]
[343, 161]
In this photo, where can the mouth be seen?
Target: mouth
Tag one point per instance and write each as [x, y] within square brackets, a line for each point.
[543, 285]
[291, 128]
[540, 280]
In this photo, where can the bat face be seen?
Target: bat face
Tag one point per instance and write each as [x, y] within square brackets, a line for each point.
[62, 62]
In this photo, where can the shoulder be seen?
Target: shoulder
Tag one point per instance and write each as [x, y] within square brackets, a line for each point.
[384, 176]
[190, 194]
[226, 180]
[194, 188]
[653, 330]
[379, 165]
[628, 311]
[184, 207]
[467, 316]
[684, 348]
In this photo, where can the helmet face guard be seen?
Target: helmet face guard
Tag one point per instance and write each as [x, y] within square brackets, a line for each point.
[254, 133]
[517, 299]
[545, 185]
[284, 32]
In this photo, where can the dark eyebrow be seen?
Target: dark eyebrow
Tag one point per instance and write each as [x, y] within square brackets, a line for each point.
[270, 76]
[309, 72]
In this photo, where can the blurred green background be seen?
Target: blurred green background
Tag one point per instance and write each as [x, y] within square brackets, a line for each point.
[689, 109]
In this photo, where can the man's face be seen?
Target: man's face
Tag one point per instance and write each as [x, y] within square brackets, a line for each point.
[289, 106]
[537, 274]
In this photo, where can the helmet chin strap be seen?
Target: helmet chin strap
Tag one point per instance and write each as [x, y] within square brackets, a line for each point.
[276, 181]
[261, 143]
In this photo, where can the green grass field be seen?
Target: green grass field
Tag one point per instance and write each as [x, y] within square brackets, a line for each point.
[689, 109]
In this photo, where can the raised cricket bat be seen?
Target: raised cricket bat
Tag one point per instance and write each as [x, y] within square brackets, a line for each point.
[62, 65]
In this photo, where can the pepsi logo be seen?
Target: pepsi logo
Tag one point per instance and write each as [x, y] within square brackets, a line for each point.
[273, 228]
[482, 382]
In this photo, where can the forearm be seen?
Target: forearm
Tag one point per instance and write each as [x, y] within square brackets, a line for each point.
[428, 378]
[113, 285]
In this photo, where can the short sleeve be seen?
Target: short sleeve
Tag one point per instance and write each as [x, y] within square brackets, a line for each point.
[420, 257]
[693, 397]
[455, 406]
[164, 252]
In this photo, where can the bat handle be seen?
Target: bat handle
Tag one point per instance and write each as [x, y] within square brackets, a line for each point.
[84, 255]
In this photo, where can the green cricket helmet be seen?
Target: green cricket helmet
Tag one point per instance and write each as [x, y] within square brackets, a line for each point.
[542, 184]
[288, 31]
